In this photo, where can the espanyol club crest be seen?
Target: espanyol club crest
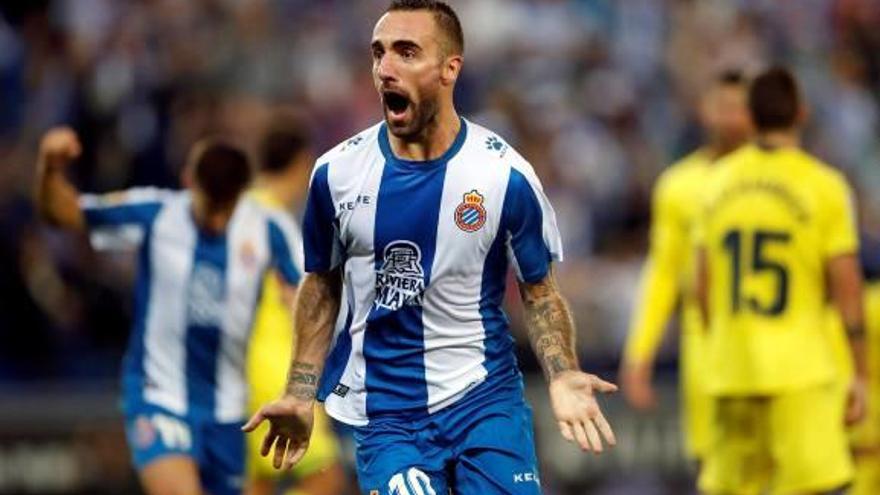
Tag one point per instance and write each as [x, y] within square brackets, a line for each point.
[144, 432]
[470, 216]
[248, 255]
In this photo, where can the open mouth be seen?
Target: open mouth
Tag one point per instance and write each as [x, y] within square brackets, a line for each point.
[395, 102]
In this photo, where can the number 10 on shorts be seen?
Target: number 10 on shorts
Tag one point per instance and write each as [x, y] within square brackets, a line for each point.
[416, 482]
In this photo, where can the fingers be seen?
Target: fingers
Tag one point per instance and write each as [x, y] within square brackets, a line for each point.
[254, 422]
[268, 440]
[593, 436]
[294, 455]
[580, 435]
[855, 410]
[566, 431]
[280, 450]
[603, 386]
[605, 428]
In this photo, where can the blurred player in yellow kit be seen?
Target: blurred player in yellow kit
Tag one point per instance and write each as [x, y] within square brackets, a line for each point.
[777, 238]
[865, 436]
[668, 275]
[285, 163]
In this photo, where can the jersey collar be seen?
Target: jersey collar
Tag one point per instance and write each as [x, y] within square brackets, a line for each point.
[449, 154]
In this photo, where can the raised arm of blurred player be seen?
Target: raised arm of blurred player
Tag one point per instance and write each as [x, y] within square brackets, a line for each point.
[292, 416]
[57, 200]
[572, 392]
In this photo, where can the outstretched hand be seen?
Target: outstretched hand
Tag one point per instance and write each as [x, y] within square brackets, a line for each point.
[580, 420]
[290, 427]
[857, 401]
[635, 378]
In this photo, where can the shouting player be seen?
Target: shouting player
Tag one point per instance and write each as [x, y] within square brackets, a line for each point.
[778, 239]
[202, 258]
[284, 163]
[419, 217]
[669, 273]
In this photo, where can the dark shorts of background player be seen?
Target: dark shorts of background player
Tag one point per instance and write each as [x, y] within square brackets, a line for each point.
[484, 443]
[217, 448]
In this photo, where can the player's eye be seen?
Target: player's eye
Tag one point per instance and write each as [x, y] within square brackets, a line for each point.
[377, 53]
[408, 53]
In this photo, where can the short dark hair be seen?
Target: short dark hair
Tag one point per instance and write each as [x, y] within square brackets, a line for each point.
[444, 16]
[284, 138]
[774, 100]
[220, 169]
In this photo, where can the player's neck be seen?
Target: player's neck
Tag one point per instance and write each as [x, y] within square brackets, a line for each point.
[716, 151]
[432, 142]
[778, 139]
[281, 188]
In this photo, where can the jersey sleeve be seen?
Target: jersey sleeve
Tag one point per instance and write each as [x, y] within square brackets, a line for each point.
[839, 232]
[533, 239]
[116, 210]
[320, 234]
[284, 244]
[659, 286]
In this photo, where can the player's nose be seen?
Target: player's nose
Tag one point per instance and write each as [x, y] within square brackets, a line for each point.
[385, 70]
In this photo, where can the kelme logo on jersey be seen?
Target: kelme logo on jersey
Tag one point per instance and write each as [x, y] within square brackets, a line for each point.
[470, 216]
[401, 279]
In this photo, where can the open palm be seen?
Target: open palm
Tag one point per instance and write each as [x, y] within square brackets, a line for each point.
[580, 420]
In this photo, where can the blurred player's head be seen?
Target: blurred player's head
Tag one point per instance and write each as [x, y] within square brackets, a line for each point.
[285, 155]
[775, 101]
[417, 55]
[217, 172]
[725, 113]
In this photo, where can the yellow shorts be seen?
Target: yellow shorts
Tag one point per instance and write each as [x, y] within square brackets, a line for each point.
[696, 403]
[794, 442]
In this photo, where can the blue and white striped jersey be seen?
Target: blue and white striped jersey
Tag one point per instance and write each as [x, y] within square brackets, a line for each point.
[425, 249]
[195, 296]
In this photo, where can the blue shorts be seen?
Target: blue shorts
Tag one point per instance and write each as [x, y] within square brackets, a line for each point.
[483, 444]
[217, 448]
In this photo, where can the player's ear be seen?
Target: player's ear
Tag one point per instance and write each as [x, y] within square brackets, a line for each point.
[187, 179]
[451, 69]
[803, 115]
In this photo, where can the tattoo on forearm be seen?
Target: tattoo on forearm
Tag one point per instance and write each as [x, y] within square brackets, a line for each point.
[551, 329]
[302, 381]
[316, 307]
[558, 364]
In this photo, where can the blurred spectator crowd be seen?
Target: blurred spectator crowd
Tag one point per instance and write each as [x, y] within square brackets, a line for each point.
[600, 95]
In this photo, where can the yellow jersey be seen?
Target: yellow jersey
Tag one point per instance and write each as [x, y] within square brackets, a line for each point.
[771, 220]
[668, 276]
[271, 342]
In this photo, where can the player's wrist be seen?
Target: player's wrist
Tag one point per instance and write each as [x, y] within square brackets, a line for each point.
[563, 375]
